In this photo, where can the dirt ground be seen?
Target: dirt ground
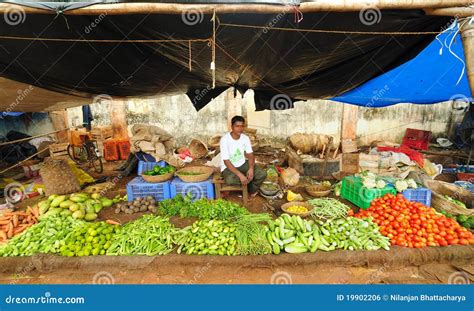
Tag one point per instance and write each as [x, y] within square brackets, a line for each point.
[279, 269]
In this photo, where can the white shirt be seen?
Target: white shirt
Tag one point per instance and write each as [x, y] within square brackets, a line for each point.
[233, 150]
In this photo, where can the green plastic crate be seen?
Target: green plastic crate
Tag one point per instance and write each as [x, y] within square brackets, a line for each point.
[353, 190]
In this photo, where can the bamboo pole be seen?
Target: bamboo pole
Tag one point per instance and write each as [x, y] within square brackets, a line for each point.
[30, 138]
[306, 7]
[467, 33]
[457, 11]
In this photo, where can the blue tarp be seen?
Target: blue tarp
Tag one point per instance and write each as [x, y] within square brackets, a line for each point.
[11, 114]
[428, 78]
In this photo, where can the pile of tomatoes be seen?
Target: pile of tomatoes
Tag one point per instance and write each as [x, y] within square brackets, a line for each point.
[411, 224]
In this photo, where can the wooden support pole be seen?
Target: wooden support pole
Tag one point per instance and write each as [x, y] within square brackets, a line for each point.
[306, 7]
[467, 33]
[350, 116]
[60, 124]
[118, 118]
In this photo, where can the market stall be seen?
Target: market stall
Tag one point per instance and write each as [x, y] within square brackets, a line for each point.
[324, 199]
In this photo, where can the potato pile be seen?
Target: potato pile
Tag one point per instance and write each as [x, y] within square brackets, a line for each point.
[143, 204]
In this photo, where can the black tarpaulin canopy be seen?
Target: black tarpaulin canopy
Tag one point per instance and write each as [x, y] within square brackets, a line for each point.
[292, 54]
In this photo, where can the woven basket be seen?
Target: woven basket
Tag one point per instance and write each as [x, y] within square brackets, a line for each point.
[438, 202]
[214, 142]
[285, 207]
[318, 190]
[157, 178]
[204, 173]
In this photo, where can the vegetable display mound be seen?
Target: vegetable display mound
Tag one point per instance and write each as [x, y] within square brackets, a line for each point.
[44, 237]
[148, 235]
[89, 239]
[209, 237]
[328, 208]
[411, 224]
[157, 170]
[76, 205]
[463, 220]
[250, 234]
[352, 234]
[183, 206]
[296, 235]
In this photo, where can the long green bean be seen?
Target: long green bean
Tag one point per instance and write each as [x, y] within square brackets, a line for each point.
[328, 208]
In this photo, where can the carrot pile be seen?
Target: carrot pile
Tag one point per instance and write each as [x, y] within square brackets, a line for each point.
[13, 223]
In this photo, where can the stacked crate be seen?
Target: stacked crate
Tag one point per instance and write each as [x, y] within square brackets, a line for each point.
[100, 134]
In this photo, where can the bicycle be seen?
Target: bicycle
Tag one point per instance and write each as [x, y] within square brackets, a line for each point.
[88, 152]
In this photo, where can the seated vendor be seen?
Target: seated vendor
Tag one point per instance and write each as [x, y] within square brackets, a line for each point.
[237, 159]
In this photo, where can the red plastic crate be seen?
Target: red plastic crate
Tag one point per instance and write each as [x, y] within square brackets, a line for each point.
[466, 177]
[111, 152]
[124, 149]
[417, 139]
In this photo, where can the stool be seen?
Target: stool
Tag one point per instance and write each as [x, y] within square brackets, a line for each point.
[221, 186]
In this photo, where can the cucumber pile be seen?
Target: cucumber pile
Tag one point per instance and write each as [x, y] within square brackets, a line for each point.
[293, 234]
[76, 205]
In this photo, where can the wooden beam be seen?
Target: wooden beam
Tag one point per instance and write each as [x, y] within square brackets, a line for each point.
[306, 7]
[457, 11]
[467, 33]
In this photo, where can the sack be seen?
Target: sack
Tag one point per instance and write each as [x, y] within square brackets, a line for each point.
[58, 177]
[290, 176]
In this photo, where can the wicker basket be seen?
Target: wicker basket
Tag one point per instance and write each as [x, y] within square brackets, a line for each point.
[157, 178]
[214, 142]
[318, 190]
[285, 207]
[438, 202]
[203, 173]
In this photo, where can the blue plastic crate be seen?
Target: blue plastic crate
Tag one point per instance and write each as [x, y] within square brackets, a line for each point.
[465, 184]
[421, 195]
[198, 190]
[138, 188]
[146, 166]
